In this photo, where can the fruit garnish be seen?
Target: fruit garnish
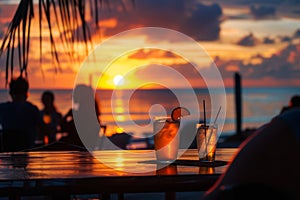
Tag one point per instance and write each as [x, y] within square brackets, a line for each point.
[179, 112]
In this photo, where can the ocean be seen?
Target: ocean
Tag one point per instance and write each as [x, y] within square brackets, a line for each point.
[259, 106]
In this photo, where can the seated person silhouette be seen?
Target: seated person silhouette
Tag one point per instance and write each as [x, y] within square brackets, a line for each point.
[18, 118]
[50, 119]
[267, 164]
[82, 123]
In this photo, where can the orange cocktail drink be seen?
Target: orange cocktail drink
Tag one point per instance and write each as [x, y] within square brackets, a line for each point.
[166, 139]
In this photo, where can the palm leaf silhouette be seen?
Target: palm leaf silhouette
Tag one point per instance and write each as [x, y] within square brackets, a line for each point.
[68, 15]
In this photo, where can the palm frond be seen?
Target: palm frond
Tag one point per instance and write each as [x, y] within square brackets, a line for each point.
[68, 14]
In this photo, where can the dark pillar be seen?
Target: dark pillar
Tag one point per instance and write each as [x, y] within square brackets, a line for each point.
[238, 102]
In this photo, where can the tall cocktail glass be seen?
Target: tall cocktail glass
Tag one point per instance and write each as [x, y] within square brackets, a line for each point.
[207, 137]
[166, 139]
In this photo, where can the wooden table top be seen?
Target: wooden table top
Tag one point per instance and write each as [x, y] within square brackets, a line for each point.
[108, 171]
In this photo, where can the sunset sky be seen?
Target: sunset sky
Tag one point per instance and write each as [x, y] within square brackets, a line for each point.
[262, 42]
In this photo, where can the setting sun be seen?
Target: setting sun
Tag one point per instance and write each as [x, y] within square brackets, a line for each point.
[118, 80]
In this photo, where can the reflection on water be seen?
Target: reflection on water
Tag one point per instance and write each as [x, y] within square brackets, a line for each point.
[259, 105]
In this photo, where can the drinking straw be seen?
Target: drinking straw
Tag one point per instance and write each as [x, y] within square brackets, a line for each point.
[204, 112]
[217, 116]
[204, 119]
[214, 123]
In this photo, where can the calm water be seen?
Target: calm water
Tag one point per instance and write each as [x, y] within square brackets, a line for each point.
[259, 106]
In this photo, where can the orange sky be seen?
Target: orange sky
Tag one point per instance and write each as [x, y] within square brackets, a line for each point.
[255, 62]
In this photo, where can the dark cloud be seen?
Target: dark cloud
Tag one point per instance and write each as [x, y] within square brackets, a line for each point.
[3, 27]
[15, 59]
[262, 11]
[204, 23]
[248, 40]
[268, 40]
[151, 53]
[269, 2]
[282, 65]
[200, 21]
[286, 39]
[78, 33]
[297, 33]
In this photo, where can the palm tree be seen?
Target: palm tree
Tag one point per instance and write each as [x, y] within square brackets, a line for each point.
[68, 15]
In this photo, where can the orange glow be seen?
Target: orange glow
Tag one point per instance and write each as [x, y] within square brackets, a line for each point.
[292, 57]
[120, 118]
[47, 119]
[119, 109]
[119, 161]
[232, 68]
[119, 130]
[50, 74]
[168, 170]
[108, 23]
[46, 139]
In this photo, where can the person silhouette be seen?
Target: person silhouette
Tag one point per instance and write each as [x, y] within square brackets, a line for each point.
[294, 102]
[82, 122]
[266, 165]
[18, 118]
[50, 119]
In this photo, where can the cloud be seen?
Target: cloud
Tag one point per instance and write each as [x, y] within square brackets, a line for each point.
[262, 11]
[151, 53]
[283, 39]
[67, 70]
[185, 69]
[159, 74]
[200, 21]
[282, 65]
[15, 59]
[297, 33]
[286, 39]
[204, 23]
[268, 40]
[249, 40]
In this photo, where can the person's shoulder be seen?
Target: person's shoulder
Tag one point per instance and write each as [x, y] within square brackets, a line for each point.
[292, 113]
[5, 104]
[291, 119]
[32, 106]
[284, 109]
[57, 114]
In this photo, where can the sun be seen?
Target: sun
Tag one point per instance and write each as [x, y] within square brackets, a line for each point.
[118, 80]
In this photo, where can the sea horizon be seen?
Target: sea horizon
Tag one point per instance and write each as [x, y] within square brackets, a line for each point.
[260, 105]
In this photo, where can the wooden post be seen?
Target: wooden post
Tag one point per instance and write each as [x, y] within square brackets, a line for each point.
[238, 102]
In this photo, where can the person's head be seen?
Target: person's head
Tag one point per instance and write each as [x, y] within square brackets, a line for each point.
[48, 98]
[84, 97]
[295, 101]
[82, 94]
[18, 89]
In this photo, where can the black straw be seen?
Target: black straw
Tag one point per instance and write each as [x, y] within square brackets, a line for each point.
[204, 113]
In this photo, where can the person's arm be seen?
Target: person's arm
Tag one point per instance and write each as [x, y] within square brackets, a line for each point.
[65, 121]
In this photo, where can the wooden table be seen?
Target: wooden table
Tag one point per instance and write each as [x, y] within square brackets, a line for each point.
[130, 171]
